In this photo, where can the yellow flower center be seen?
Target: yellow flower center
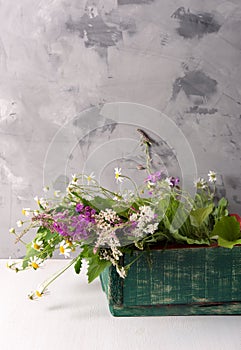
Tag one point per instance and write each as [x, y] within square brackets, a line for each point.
[35, 265]
[38, 294]
[61, 249]
[36, 246]
[117, 176]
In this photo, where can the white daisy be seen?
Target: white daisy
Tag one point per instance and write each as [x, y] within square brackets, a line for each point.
[118, 175]
[64, 249]
[212, 176]
[14, 265]
[38, 293]
[37, 245]
[46, 189]
[200, 183]
[26, 211]
[90, 177]
[74, 179]
[41, 201]
[19, 223]
[57, 193]
[34, 262]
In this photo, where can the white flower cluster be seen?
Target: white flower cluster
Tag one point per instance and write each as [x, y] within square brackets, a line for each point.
[113, 256]
[106, 218]
[107, 221]
[145, 221]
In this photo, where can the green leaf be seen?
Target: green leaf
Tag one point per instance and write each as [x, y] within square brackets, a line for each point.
[96, 266]
[179, 238]
[198, 216]
[228, 231]
[78, 264]
[100, 203]
[221, 209]
[227, 244]
[31, 252]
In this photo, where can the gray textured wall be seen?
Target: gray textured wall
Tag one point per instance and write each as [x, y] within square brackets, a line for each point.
[59, 58]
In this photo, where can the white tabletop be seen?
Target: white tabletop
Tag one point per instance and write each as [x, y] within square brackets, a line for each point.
[75, 316]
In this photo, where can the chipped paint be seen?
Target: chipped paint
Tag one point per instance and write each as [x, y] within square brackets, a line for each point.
[195, 25]
[195, 83]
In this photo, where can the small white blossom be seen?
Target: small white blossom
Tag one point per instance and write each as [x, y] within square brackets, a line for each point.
[118, 175]
[121, 271]
[145, 221]
[212, 176]
[10, 263]
[46, 189]
[38, 293]
[200, 183]
[57, 193]
[74, 179]
[64, 249]
[35, 262]
[19, 223]
[26, 211]
[41, 201]
[37, 245]
[12, 230]
[151, 228]
[90, 177]
[14, 265]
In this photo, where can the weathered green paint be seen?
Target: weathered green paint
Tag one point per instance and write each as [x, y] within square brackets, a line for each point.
[180, 281]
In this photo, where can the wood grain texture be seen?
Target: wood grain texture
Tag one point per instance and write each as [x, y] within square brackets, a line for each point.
[187, 281]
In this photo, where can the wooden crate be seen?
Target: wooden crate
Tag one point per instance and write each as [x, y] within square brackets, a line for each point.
[177, 281]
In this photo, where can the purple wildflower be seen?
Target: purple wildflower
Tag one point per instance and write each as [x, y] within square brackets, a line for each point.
[76, 227]
[79, 207]
[174, 181]
[154, 177]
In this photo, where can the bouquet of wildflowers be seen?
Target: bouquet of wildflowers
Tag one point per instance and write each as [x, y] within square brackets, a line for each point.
[92, 223]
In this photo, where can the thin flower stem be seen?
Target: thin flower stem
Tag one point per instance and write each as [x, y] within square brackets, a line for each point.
[18, 239]
[47, 282]
[136, 259]
[133, 183]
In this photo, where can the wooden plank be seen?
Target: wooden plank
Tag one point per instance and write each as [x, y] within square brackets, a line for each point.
[205, 280]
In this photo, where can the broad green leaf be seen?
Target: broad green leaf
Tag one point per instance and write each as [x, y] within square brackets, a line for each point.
[228, 231]
[100, 203]
[198, 216]
[227, 244]
[96, 266]
[179, 238]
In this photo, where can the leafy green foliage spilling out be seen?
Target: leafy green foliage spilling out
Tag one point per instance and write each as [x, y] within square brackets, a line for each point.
[228, 231]
[92, 223]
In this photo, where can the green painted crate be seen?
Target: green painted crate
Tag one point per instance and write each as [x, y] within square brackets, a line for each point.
[177, 281]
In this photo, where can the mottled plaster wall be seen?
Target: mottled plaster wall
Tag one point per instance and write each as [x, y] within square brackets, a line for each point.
[59, 58]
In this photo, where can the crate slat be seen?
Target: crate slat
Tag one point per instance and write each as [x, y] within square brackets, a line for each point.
[181, 281]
